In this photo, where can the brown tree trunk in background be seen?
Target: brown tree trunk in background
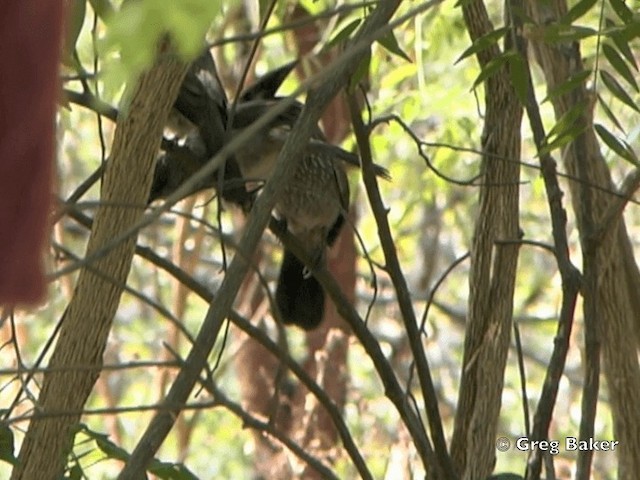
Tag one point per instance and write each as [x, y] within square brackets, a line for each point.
[617, 283]
[493, 268]
[328, 346]
[188, 262]
[257, 368]
[88, 318]
[264, 392]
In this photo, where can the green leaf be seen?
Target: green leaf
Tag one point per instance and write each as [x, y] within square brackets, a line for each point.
[566, 129]
[619, 146]
[562, 140]
[519, 74]
[617, 90]
[557, 143]
[77, 10]
[75, 473]
[361, 71]
[577, 11]
[625, 49]
[558, 33]
[110, 449]
[609, 113]
[568, 85]
[390, 42]
[103, 8]
[344, 33]
[7, 445]
[492, 67]
[483, 43]
[567, 123]
[623, 44]
[618, 63]
[133, 31]
[170, 471]
[621, 9]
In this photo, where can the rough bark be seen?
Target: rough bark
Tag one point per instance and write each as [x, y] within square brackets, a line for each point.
[493, 268]
[314, 429]
[88, 317]
[329, 84]
[614, 293]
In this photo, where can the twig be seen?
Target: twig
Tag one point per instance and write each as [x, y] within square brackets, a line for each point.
[443, 463]
[568, 272]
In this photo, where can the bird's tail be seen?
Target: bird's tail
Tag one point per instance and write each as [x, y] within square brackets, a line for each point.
[300, 298]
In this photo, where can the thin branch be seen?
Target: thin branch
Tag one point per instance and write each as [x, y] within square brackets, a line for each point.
[568, 272]
[443, 465]
[336, 77]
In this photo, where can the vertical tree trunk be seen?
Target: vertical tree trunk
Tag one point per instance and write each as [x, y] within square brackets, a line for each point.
[493, 268]
[617, 280]
[88, 317]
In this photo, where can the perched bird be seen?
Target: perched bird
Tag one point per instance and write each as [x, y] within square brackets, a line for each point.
[197, 130]
[312, 205]
[268, 84]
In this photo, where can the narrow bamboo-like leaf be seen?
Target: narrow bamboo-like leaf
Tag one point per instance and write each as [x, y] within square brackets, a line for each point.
[7, 444]
[609, 113]
[617, 90]
[577, 11]
[562, 140]
[623, 45]
[390, 42]
[483, 43]
[519, 77]
[263, 7]
[621, 9]
[492, 67]
[111, 450]
[565, 87]
[75, 18]
[558, 33]
[618, 63]
[103, 8]
[631, 30]
[567, 122]
[170, 471]
[361, 71]
[345, 33]
[619, 146]
[75, 473]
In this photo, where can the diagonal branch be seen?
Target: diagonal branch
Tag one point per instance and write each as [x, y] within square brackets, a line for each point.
[334, 79]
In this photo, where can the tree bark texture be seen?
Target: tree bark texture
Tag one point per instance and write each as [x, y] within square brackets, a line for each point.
[493, 268]
[617, 280]
[317, 100]
[88, 317]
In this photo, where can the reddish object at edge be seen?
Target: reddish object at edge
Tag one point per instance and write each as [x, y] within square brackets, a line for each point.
[30, 40]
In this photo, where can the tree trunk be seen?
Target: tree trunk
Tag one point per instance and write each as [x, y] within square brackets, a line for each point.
[617, 280]
[493, 268]
[88, 317]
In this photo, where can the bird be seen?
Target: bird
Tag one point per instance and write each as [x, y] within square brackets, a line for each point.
[196, 131]
[312, 205]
